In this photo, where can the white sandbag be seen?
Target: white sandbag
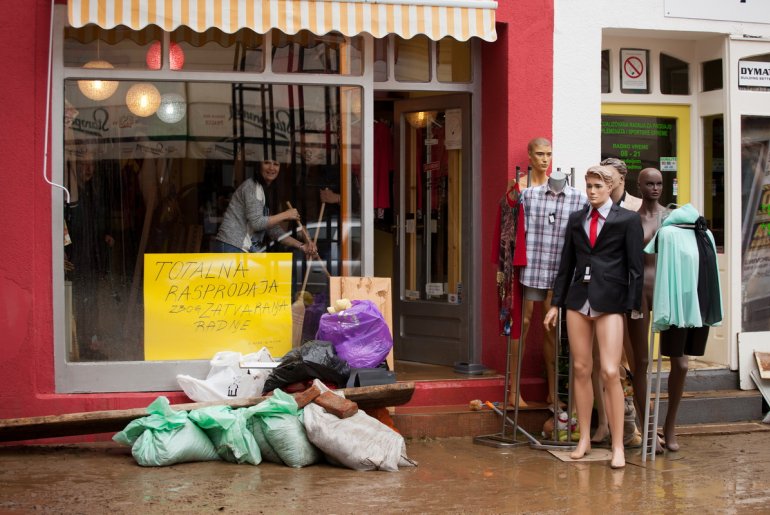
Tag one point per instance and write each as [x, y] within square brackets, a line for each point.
[359, 442]
[226, 379]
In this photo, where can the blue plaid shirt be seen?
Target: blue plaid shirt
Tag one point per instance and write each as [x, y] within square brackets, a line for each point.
[545, 220]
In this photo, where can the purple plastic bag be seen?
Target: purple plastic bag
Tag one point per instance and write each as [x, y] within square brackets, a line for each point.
[359, 334]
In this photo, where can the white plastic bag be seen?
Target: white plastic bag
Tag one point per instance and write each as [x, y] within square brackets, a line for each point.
[359, 442]
[226, 379]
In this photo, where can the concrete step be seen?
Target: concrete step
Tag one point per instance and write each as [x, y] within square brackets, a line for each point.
[458, 420]
[705, 379]
[715, 406]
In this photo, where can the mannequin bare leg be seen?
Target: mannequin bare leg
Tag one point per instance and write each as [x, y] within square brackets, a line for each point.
[513, 371]
[602, 429]
[527, 318]
[609, 334]
[581, 334]
[676, 378]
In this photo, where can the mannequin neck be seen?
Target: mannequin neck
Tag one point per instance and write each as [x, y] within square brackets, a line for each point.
[557, 181]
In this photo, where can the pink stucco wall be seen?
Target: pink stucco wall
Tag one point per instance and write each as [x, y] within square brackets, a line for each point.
[518, 103]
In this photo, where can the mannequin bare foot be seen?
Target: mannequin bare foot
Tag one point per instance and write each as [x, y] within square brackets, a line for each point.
[618, 458]
[512, 401]
[583, 448]
[601, 435]
[672, 444]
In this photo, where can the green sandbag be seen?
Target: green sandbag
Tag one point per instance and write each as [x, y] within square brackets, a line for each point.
[227, 429]
[166, 437]
[279, 419]
[268, 453]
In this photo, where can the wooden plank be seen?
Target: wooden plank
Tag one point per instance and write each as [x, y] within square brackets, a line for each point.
[94, 422]
[375, 289]
[763, 364]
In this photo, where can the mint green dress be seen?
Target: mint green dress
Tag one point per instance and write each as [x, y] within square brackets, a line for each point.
[675, 298]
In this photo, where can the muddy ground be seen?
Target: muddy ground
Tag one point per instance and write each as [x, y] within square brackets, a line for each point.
[711, 474]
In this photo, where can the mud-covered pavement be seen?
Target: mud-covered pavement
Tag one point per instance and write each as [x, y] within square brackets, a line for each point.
[711, 474]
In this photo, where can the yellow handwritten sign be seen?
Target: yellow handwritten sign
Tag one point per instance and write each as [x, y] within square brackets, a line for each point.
[198, 304]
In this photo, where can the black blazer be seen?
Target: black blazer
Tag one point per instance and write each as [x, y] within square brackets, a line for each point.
[617, 272]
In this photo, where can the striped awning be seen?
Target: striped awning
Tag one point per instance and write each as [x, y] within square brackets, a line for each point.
[460, 19]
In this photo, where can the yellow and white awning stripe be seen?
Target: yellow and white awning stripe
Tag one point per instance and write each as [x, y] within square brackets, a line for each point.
[460, 19]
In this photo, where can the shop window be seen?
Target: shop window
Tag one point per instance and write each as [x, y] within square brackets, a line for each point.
[215, 50]
[606, 83]
[412, 59]
[306, 52]
[755, 222]
[674, 76]
[712, 75]
[120, 47]
[381, 60]
[714, 176]
[754, 81]
[153, 173]
[453, 60]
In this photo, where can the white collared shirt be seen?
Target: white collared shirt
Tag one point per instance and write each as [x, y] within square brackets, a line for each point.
[604, 210]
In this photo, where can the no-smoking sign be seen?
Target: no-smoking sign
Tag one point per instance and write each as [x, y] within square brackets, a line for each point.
[633, 69]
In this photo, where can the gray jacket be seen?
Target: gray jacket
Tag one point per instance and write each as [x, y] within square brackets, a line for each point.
[246, 218]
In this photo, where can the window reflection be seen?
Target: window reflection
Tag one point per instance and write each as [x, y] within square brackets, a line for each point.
[412, 59]
[306, 52]
[142, 185]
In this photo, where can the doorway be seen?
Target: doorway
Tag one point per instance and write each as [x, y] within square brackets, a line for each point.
[429, 258]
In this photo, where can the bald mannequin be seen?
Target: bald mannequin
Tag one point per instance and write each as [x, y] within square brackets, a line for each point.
[651, 212]
[540, 153]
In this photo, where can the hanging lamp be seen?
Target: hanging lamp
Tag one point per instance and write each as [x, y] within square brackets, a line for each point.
[172, 107]
[143, 99]
[98, 89]
[175, 56]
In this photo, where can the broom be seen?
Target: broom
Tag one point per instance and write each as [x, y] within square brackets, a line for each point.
[298, 307]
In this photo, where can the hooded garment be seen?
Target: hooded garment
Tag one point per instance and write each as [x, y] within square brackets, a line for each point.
[687, 287]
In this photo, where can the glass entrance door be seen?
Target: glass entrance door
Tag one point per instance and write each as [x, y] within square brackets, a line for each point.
[432, 224]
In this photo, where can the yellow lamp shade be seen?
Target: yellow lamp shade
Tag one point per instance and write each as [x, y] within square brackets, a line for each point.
[98, 89]
[143, 99]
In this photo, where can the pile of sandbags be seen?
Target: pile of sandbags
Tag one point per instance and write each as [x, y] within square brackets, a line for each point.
[295, 430]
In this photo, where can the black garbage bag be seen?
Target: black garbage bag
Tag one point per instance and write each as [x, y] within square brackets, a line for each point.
[315, 359]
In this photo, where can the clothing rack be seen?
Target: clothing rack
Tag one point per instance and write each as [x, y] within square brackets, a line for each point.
[650, 429]
[507, 437]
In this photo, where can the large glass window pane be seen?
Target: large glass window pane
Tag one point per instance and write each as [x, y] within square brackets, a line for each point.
[643, 142]
[120, 47]
[755, 196]
[162, 183]
[714, 176]
[412, 59]
[381, 60]
[674, 76]
[215, 50]
[712, 75]
[606, 83]
[305, 52]
[432, 206]
[453, 60]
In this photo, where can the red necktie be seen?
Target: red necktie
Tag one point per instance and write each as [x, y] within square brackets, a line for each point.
[594, 227]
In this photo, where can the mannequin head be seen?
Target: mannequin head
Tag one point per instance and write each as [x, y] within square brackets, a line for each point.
[650, 184]
[539, 150]
[619, 171]
[599, 184]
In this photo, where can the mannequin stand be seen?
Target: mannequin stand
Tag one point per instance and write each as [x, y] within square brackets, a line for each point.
[508, 432]
[650, 429]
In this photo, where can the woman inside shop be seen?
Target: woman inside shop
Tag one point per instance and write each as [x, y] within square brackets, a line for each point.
[599, 279]
[248, 224]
